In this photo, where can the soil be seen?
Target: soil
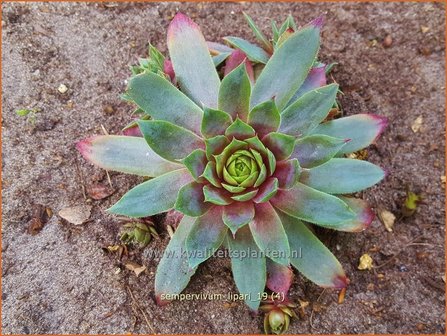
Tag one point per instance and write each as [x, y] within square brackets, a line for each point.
[56, 276]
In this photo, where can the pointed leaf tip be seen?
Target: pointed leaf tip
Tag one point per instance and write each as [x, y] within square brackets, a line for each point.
[318, 22]
[340, 281]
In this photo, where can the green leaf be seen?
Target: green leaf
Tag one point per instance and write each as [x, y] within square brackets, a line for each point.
[281, 145]
[287, 68]
[245, 196]
[342, 176]
[219, 59]
[237, 215]
[215, 145]
[130, 155]
[262, 176]
[234, 93]
[312, 206]
[361, 129]
[152, 197]
[205, 237]
[308, 111]
[211, 175]
[264, 118]
[248, 266]
[196, 162]
[267, 190]
[271, 162]
[157, 97]
[191, 200]
[269, 234]
[253, 52]
[258, 33]
[310, 256]
[173, 271]
[239, 130]
[214, 122]
[256, 144]
[216, 196]
[232, 188]
[168, 140]
[193, 65]
[314, 150]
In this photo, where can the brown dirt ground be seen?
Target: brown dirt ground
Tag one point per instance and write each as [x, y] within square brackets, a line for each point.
[60, 281]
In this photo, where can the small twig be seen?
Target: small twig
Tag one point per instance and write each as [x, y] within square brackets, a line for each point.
[312, 312]
[104, 130]
[141, 310]
[108, 179]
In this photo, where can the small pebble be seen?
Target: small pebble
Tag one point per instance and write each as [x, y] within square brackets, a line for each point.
[62, 88]
[387, 41]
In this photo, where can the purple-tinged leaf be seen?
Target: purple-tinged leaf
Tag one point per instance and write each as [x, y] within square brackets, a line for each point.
[267, 190]
[308, 111]
[362, 129]
[253, 52]
[168, 140]
[239, 130]
[237, 215]
[214, 122]
[130, 155]
[264, 118]
[206, 236]
[215, 145]
[216, 196]
[311, 257]
[364, 215]
[287, 69]
[173, 271]
[158, 98]
[279, 277]
[169, 70]
[287, 173]
[234, 93]
[196, 163]
[191, 201]
[234, 60]
[314, 150]
[248, 266]
[269, 234]
[281, 145]
[342, 176]
[133, 131]
[312, 206]
[192, 62]
[315, 79]
[152, 197]
[210, 174]
[246, 196]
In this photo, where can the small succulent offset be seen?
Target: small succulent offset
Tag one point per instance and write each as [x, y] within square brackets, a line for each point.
[246, 152]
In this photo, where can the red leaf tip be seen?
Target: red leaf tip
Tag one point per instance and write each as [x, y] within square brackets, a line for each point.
[160, 302]
[179, 22]
[340, 281]
[318, 22]
[367, 217]
[84, 146]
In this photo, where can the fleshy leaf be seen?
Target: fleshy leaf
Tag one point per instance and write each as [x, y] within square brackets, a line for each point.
[315, 79]
[158, 98]
[310, 256]
[256, 144]
[232, 188]
[215, 145]
[287, 69]
[267, 190]
[287, 173]
[271, 162]
[261, 177]
[312, 206]
[269, 234]
[216, 48]
[264, 118]
[219, 59]
[236, 58]
[308, 111]
[152, 197]
[239, 130]
[196, 163]
[216, 196]
[214, 122]
[281, 145]
[245, 196]
[342, 176]
[222, 157]
[237, 215]
[191, 201]
[254, 53]
[125, 154]
[193, 65]
[173, 271]
[234, 93]
[279, 277]
[248, 266]
[267, 45]
[168, 140]
[205, 237]
[362, 129]
[211, 175]
[364, 215]
[314, 150]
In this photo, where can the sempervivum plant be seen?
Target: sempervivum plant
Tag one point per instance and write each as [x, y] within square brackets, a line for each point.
[247, 155]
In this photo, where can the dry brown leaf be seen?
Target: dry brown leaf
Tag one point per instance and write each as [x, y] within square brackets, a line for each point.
[366, 262]
[417, 123]
[387, 218]
[134, 267]
[99, 191]
[76, 215]
[425, 29]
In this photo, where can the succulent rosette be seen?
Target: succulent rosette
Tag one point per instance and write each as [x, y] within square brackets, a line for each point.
[249, 159]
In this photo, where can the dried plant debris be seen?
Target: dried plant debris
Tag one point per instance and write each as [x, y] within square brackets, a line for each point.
[76, 215]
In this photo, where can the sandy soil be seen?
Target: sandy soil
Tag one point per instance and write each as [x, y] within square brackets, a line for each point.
[60, 281]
